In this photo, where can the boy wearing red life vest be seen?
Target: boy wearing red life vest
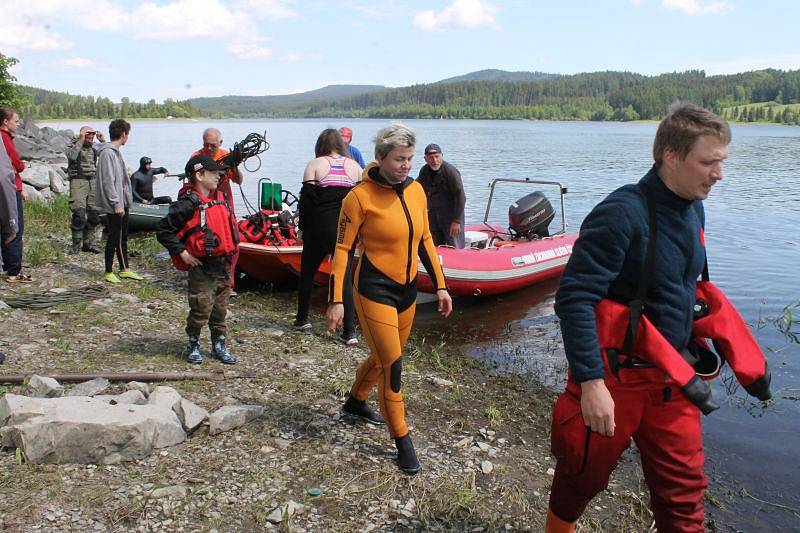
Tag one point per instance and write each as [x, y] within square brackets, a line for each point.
[201, 235]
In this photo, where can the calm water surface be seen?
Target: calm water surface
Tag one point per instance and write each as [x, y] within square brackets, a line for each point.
[752, 238]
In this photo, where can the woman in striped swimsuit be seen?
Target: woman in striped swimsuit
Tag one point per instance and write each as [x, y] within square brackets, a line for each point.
[326, 181]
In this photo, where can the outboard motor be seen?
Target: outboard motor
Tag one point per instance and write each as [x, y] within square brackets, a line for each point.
[530, 216]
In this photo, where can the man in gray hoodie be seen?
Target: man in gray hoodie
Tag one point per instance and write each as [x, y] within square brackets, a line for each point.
[114, 198]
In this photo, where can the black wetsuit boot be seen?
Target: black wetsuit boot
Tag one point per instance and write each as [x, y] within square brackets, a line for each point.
[360, 409]
[406, 456]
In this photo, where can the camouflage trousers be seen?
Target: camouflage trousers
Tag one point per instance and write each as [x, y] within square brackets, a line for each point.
[209, 293]
[81, 201]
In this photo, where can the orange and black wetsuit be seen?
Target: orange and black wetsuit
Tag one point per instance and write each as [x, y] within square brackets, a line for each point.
[391, 222]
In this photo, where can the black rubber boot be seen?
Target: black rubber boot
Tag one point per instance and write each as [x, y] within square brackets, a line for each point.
[77, 239]
[220, 351]
[88, 242]
[194, 355]
[360, 409]
[406, 456]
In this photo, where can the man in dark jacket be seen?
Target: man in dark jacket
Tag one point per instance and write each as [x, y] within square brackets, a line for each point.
[601, 411]
[142, 183]
[446, 199]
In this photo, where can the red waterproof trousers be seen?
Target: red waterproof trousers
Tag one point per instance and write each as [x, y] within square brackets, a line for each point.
[667, 431]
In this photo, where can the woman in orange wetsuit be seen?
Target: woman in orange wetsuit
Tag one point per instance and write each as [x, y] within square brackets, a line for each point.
[387, 213]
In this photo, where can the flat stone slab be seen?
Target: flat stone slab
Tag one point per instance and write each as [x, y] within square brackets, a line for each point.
[89, 388]
[131, 397]
[85, 430]
[230, 417]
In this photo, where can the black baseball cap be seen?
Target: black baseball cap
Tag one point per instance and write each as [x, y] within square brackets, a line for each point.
[432, 148]
[203, 162]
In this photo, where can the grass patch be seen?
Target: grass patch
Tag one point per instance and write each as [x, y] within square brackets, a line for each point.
[494, 416]
[47, 218]
[39, 252]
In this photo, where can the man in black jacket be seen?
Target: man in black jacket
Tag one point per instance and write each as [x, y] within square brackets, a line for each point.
[446, 199]
[142, 183]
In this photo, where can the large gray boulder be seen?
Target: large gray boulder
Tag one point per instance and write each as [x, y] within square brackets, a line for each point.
[85, 430]
[57, 183]
[33, 193]
[230, 417]
[36, 174]
[48, 133]
[59, 143]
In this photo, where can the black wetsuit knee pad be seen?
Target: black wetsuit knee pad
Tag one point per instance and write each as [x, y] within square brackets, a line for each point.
[396, 374]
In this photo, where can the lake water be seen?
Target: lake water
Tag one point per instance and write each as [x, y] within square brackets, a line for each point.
[752, 238]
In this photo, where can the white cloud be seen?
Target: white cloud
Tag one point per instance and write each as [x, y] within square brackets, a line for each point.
[267, 9]
[17, 37]
[695, 7]
[75, 62]
[459, 14]
[176, 20]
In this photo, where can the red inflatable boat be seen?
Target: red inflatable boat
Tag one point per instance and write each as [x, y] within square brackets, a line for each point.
[502, 267]
[495, 259]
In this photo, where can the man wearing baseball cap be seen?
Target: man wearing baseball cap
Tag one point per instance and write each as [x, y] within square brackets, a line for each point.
[446, 198]
[353, 152]
[81, 167]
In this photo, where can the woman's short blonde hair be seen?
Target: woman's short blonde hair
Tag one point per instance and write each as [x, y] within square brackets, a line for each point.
[393, 136]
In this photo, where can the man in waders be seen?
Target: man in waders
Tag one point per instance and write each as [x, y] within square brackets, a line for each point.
[608, 403]
[81, 162]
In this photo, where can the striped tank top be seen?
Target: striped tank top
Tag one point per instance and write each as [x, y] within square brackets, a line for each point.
[336, 177]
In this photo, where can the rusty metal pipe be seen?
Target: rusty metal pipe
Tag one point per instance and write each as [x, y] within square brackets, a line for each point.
[217, 375]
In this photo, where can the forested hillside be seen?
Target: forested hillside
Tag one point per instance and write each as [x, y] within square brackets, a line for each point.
[756, 96]
[42, 104]
[591, 96]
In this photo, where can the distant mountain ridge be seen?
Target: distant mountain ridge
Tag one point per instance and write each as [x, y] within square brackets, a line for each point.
[767, 95]
[493, 74]
[268, 104]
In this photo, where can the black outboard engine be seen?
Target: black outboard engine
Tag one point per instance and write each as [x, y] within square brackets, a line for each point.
[530, 216]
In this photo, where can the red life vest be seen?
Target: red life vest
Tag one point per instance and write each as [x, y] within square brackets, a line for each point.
[268, 227]
[212, 231]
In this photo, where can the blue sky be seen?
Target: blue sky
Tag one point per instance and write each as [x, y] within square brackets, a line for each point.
[190, 48]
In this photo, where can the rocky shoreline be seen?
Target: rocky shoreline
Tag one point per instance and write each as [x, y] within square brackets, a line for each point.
[483, 440]
[43, 151]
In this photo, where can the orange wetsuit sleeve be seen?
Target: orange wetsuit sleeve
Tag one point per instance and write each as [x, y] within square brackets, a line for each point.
[351, 216]
[427, 253]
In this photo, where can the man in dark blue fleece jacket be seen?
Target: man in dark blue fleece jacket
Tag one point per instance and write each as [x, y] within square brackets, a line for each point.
[596, 417]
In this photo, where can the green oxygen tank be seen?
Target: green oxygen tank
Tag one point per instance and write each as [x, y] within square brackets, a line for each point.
[271, 196]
